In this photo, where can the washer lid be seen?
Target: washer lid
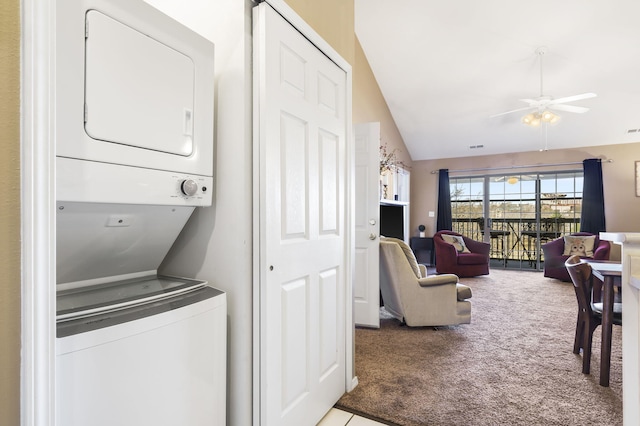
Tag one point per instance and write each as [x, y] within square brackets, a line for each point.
[94, 299]
[109, 318]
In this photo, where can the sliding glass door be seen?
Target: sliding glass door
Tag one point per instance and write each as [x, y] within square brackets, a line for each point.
[517, 213]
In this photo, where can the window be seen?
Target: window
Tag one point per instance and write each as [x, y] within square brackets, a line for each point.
[517, 213]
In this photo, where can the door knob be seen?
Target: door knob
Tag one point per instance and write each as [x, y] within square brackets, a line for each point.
[372, 221]
[372, 236]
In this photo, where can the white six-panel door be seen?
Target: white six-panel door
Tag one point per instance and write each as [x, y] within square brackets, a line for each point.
[366, 282]
[301, 181]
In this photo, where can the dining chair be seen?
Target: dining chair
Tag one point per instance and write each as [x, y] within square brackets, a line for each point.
[589, 313]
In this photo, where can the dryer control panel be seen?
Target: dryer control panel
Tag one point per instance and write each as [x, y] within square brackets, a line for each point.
[94, 182]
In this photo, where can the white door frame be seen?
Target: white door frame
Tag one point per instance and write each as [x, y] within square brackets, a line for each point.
[37, 218]
[350, 380]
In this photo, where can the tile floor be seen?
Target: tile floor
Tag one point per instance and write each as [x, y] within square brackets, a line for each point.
[337, 417]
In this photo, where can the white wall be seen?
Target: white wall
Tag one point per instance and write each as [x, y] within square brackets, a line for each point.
[216, 243]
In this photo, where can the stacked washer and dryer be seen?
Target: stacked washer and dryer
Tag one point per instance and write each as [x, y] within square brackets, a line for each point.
[134, 159]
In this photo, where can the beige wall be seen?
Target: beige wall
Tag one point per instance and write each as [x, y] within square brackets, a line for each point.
[622, 206]
[369, 105]
[332, 19]
[10, 212]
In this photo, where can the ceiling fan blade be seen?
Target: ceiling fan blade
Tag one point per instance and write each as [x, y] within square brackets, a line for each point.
[509, 112]
[569, 108]
[572, 98]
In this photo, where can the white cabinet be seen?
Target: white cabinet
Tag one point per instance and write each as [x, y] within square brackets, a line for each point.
[394, 203]
[394, 184]
[631, 317]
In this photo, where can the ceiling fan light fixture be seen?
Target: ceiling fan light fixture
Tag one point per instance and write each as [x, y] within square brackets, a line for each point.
[549, 117]
[531, 119]
[535, 118]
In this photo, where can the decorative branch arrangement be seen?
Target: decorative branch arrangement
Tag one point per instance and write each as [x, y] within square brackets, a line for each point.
[389, 160]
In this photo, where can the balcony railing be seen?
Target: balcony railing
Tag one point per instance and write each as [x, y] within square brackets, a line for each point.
[515, 242]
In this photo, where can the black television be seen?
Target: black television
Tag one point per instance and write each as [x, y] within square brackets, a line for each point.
[392, 221]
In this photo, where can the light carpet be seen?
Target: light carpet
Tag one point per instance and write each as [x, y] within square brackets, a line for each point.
[513, 365]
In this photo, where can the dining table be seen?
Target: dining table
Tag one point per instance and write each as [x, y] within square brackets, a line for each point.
[610, 274]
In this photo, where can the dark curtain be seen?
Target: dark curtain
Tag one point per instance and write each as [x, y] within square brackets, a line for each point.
[592, 219]
[444, 201]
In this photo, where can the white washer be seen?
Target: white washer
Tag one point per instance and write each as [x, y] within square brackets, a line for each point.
[148, 351]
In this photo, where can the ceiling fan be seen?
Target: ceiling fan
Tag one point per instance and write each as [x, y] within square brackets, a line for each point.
[543, 105]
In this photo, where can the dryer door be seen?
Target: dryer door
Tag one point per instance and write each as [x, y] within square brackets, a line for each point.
[134, 88]
[138, 91]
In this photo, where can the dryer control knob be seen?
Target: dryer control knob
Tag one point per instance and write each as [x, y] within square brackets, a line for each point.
[189, 187]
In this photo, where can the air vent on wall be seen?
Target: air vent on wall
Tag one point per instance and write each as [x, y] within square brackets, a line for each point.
[633, 130]
[476, 146]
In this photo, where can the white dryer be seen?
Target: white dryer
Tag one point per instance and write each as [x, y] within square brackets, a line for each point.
[134, 105]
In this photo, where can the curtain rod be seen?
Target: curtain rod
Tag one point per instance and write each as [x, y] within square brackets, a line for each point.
[573, 163]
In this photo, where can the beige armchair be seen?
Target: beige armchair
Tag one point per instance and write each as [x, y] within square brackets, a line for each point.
[415, 298]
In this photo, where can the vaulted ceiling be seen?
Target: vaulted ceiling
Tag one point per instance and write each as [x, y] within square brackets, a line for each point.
[445, 67]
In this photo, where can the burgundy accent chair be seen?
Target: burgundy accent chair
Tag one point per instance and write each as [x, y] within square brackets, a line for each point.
[450, 261]
[554, 258]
